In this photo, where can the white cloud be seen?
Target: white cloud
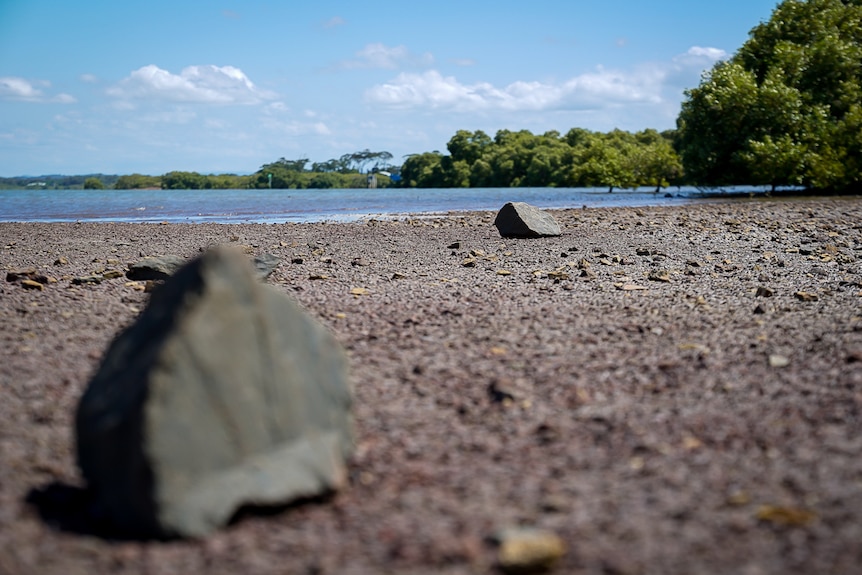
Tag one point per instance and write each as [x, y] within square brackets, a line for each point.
[334, 22]
[464, 62]
[201, 84]
[599, 89]
[18, 89]
[713, 54]
[700, 56]
[14, 88]
[378, 55]
[294, 128]
[89, 78]
[432, 90]
[276, 107]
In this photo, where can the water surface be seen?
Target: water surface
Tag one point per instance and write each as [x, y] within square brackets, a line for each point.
[278, 206]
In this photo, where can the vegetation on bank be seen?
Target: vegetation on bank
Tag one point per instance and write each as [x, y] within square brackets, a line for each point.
[785, 110]
[579, 158]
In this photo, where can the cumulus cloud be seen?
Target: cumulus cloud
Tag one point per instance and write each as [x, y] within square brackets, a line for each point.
[378, 55]
[196, 84]
[700, 56]
[14, 88]
[433, 90]
[600, 88]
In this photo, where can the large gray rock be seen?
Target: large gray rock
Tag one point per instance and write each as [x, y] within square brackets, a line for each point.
[223, 393]
[521, 220]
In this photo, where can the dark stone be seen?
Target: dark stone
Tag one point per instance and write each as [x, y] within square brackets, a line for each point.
[223, 393]
[763, 291]
[87, 280]
[521, 220]
[155, 268]
[18, 275]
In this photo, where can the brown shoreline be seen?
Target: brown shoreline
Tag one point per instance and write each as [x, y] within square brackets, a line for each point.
[655, 431]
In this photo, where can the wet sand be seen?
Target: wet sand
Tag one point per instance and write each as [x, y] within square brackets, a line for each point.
[669, 390]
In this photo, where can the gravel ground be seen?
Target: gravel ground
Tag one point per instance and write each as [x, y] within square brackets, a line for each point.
[669, 390]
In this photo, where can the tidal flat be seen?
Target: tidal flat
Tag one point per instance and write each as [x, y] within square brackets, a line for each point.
[666, 389]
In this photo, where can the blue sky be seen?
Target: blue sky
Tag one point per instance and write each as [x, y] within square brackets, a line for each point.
[225, 86]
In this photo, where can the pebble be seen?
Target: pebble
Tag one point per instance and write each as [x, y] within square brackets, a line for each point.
[764, 292]
[527, 550]
[88, 280]
[659, 276]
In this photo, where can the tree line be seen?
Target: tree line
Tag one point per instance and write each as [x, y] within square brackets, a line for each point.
[580, 158]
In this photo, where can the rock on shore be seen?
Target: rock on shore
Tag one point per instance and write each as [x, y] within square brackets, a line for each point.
[521, 220]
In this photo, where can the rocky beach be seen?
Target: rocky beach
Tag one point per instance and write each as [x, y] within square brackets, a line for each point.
[656, 390]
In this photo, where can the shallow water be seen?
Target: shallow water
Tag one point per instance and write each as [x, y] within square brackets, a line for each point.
[278, 206]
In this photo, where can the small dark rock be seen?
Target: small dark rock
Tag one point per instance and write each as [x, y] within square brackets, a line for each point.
[155, 268]
[85, 280]
[501, 391]
[763, 291]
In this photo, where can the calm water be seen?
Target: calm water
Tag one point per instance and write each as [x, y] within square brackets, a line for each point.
[278, 206]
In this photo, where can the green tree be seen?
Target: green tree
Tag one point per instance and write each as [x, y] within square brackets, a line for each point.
[468, 146]
[137, 182]
[183, 181]
[422, 170]
[787, 108]
[93, 184]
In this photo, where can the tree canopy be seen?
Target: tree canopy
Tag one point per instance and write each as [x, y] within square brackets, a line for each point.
[786, 109]
[347, 171]
[580, 158]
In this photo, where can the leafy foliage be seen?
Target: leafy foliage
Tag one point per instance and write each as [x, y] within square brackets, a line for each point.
[137, 182]
[787, 108]
[348, 171]
[93, 183]
[55, 182]
[579, 159]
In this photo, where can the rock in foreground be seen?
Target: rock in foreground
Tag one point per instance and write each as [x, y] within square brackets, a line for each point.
[223, 393]
[521, 220]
